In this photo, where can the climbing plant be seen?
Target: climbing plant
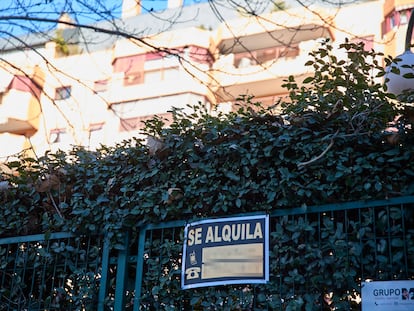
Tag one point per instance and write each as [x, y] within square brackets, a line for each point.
[339, 137]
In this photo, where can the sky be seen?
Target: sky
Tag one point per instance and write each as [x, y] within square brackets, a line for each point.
[52, 8]
[162, 4]
[38, 6]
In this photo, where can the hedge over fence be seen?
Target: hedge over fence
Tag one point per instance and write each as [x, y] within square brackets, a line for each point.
[333, 142]
[339, 138]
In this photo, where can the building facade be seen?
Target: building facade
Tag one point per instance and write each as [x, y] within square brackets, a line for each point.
[84, 87]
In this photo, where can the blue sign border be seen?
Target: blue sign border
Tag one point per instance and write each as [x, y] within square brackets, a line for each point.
[192, 254]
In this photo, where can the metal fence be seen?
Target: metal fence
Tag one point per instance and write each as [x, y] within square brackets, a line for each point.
[62, 271]
[59, 271]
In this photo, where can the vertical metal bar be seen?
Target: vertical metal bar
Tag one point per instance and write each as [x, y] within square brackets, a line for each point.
[103, 285]
[25, 263]
[14, 272]
[33, 274]
[121, 275]
[374, 230]
[293, 218]
[64, 266]
[3, 275]
[348, 258]
[359, 235]
[346, 231]
[404, 237]
[389, 238]
[140, 268]
[306, 242]
[55, 277]
[78, 245]
[280, 271]
[43, 275]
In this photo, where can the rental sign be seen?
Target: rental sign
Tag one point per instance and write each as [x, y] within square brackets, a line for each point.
[231, 250]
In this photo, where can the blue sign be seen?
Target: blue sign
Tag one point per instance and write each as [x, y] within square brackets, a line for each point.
[232, 250]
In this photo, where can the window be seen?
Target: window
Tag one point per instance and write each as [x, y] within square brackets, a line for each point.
[403, 17]
[198, 54]
[60, 139]
[130, 124]
[137, 123]
[96, 135]
[169, 74]
[262, 56]
[289, 51]
[392, 21]
[395, 19]
[57, 136]
[63, 92]
[244, 62]
[132, 67]
[152, 76]
[266, 55]
[368, 42]
[100, 86]
[132, 78]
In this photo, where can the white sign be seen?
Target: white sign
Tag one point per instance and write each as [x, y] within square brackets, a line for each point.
[387, 295]
[232, 250]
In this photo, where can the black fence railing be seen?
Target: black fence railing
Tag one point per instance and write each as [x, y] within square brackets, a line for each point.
[316, 254]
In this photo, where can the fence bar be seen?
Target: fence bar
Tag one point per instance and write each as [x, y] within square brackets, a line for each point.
[140, 267]
[36, 238]
[104, 275]
[341, 206]
[17, 251]
[121, 275]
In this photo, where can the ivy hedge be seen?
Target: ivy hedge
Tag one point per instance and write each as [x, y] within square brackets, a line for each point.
[339, 137]
[333, 142]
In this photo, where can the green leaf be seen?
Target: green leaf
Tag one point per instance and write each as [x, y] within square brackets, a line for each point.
[378, 186]
[308, 80]
[194, 300]
[396, 242]
[392, 152]
[232, 176]
[409, 75]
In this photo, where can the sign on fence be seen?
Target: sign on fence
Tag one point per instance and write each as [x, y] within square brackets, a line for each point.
[231, 250]
[387, 295]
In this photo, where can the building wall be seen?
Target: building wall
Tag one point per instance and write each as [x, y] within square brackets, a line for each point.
[102, 96]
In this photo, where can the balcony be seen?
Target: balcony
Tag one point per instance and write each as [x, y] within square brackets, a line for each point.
[253, 74]
[154, 84]
[396, 5]
[19, 117]
[20, 107]
[255, 58]
[281, 28]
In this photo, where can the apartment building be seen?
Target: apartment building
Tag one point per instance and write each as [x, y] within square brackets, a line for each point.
[85, 87]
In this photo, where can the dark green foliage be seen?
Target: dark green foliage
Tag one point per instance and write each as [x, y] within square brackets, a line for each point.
[333, 143]
[330, 146]
[312, 254]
